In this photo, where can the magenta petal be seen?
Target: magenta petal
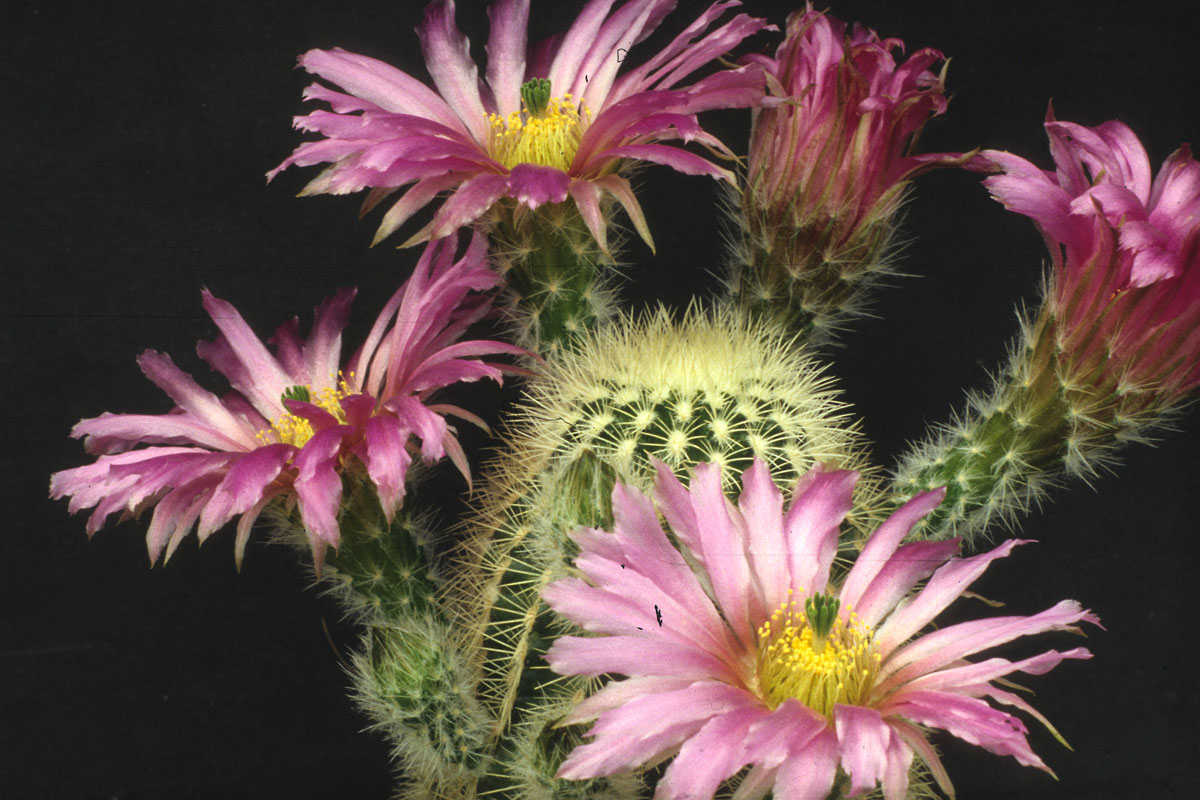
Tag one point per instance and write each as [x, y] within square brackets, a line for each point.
[475, 196]
[190, 397]
[319, 487]
[243, 486]
[448, 59]
[387, 461]
[506, 53]
[267, 379]
[533, 185]
[323, 350]
[973, 721]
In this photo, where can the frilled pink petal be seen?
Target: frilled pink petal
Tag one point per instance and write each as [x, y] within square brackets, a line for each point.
[586, 195]
[881, 546]
[649, 725]
[323, 350]
[910, 564]
[711, 756]
[267, 380]
[387, 461]
[913, 736]
[247, 522]
[761, 506]
[673, 157]
[948, 645]
[972, 679]
[89, 484]
[243, 486]
[1025, 189]
[414, 416]
[822, 500]
[601, 55]
[1176, 186]
[448, 59]
[506, 53]
[319, 487]
[476, 195]
[533, 185]
[289, 350]
[413, 201]
[620, 189]
[192, 398]
[973, 721]
[946, 586]
[178, 511]
[381, 84]
[863, 739]
[113, 433]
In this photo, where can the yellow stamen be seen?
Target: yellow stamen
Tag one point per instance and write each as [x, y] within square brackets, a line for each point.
[549, 138]
[819, 671]
[296, 431]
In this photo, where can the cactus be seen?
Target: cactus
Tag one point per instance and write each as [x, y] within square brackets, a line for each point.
[711, 387]
[1036, 426]
[559, 278]
[408, 675]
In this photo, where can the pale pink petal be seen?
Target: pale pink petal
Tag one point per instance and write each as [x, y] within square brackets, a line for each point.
[619, 188]
[381, 84]
[323, 350]
[822, 500]
[448, 59]
[878, 551]
[863, 740]
[710, 756]
[267, 378]
[810, 772]
[973, 721]
[761, 505]
[615, 694]
[946, 586]
[636, 655]
[972, 678]
[413, 201]
[910, 564]
[112, 433]
[475, 196]
[575, 43]
[194, 399]
[915, 739]
[506, 53]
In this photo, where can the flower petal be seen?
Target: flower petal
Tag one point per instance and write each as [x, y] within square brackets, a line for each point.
[448, 59]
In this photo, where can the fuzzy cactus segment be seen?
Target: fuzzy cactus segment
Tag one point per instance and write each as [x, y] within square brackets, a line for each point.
[711, 385]
[828, 169]
[1114, 349]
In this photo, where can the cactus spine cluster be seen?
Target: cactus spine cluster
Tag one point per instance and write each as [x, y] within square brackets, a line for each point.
[713, 386]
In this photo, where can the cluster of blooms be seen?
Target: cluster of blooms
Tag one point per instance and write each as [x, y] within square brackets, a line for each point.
[755, 653]
[1125, 249]
[296, 419]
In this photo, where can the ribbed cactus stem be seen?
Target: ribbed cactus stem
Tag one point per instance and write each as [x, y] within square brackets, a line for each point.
[811, 276]
[408, 676]
[1040, 421]
[558, 275]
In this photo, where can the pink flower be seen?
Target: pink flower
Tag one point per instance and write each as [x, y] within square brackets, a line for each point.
[739, 650]
[1125, 252]
[548, 123]
[830, 145]
[294, 422]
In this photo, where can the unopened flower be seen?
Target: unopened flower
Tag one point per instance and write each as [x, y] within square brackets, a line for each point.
[830, 157]
[549, 122]
[296, 418]
[1125, 248]
[739, 651]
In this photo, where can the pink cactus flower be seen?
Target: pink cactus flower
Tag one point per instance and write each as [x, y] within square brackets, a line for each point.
[830, 145]
[1125, 249]
[294, 422]
[739, 650]
[549, 122]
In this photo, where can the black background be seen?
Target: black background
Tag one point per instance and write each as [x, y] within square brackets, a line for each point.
[136, 138]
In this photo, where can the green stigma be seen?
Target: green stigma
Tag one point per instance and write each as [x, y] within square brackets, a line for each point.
[536, 94]
[300, 393]
[821, 610]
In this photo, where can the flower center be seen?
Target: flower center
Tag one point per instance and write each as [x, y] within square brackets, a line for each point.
[815, 657]
[295, 430]
[546, 132]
